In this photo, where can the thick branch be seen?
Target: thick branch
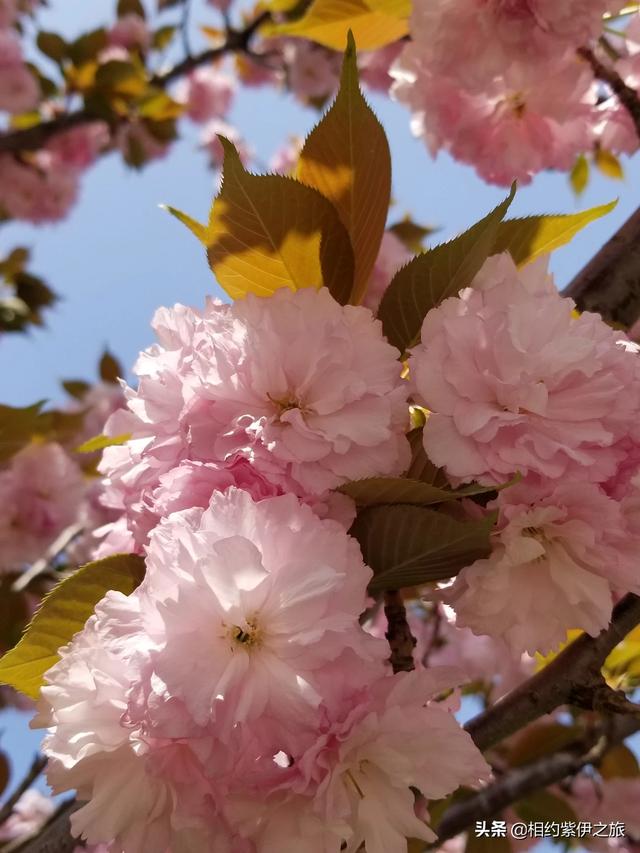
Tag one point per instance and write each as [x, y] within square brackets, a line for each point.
[401, 640]
[575, 669]
[610, 282]
[522, 781]
[33, 138]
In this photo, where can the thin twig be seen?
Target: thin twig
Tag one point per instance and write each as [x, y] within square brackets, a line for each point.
[184, 27]
[522, 781]
[401, 640]
[46, 561]
[37, 766]
[33, 138]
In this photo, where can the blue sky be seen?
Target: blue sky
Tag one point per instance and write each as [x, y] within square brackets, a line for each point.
[118, 256]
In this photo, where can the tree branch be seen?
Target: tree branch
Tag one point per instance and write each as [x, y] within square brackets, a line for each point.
[37, 766]
[54, 837]
[574, 671]
[522, 781]
[627, 96]
[610, 282]
[32, 138]
[401, 640]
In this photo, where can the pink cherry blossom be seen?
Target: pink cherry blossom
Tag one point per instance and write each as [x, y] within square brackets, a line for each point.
[8, 13]
[212, 145]
[31, 812]
[130, 31]
[19, 90]
[375, 66]
[79, 147]
[272, 614]
[312, 70]
[392, 255]
[515, 382]
[285, 159]
[523, 121]
[558, 552]
[207, 93]
[481, 658]
[41, 491]
[138, 144]
[326, 406]
[473, 42]
[41, 191]
[110, 766]
[234, 703]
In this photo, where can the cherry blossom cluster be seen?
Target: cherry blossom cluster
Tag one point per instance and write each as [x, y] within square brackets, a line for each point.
[233, 702]
[45, 489]
[500, 85]
[212, 410]
[518, 384]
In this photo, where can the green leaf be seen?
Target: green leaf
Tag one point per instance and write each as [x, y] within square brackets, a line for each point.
[346, 157]
[412, 545]
[328, 21]
[411, 234]
[421, 467]
[99, 442]
[163, 37]
[130, 7]
[526, 239]
[62, 614]
[119, 77]
[52, 45]
[76, 388]
[579, 177]
[374, 491]
[109, 368]
[269, 231]
[608, 164]
[88, 46]
[17, 426]
[436, 274]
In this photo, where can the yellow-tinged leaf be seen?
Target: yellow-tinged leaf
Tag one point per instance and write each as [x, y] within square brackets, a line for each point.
[62, 614]
[396, 8]
[99, 442]
[346, 157]
[579, 177]
[608, 164]
[619, 762]
[328, 21]
[269, 231]
[196, 228]
[526, 239]
[545, 660]
[282, 5]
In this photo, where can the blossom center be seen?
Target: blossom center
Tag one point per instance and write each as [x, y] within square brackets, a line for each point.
[248, 635]
[288, 403]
